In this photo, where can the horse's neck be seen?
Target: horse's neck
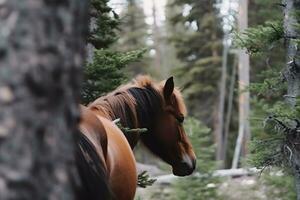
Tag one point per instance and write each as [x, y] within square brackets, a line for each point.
[131, 137]
[101, 112]
[147, 106]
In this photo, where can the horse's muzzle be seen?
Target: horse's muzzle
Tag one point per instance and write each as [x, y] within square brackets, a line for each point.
[184, 168]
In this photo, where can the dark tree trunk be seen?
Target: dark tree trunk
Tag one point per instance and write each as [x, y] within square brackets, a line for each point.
[41, 54]
[292, 74]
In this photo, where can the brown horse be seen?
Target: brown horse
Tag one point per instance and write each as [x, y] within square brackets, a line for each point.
[158, 107]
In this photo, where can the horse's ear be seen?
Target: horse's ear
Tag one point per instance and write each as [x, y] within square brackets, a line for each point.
[169, 88]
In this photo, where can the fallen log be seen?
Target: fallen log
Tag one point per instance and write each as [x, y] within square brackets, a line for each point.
[167, 179]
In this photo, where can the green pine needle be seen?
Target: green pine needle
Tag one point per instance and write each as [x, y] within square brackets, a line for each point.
[144, 180]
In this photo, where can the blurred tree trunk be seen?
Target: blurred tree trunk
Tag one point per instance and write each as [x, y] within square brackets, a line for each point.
[221, 152]
[41, 52]
[292, 73]
[243, 71]
[156, 39]
[229, 109]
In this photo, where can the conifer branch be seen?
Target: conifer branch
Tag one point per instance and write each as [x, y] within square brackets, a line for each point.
[129, 130]
[144, 180]
[280, 4]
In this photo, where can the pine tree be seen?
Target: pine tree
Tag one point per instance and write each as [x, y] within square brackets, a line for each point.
[133, 35]
[278, 145]
[103, 24]
[292, 77]
[106, 70]
[196, 35]
[266, 13]
[264, 41]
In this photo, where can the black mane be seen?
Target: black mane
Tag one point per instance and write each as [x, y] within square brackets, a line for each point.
[148, 105]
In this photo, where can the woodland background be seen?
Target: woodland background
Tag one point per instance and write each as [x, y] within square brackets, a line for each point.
[237, 63]
[200, 43]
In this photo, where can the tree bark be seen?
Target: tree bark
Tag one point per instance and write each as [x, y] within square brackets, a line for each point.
[221, 107]
[156, 38]
[41, 54]
[243, 71]
[229, 109]
[292, 73]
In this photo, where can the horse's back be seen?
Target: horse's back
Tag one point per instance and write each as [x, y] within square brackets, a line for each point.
[90, 158]
[121, 163]
[113, 156]
[92, 127]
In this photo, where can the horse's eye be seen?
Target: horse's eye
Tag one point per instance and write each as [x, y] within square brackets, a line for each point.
[180, 119]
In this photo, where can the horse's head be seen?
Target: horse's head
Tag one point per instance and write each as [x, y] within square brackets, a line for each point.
[168, 139]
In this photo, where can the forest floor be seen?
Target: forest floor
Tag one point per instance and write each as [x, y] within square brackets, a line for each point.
[245, 188]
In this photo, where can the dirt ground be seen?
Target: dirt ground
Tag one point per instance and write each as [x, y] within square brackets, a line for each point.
[245, 188]
[242, 188]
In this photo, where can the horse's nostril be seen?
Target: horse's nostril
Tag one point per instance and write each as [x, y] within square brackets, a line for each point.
[191, 165]
[194, 163]
[188, 160]
[188, 166]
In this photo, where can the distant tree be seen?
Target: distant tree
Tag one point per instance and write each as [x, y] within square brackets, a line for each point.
[197, 36]
[278, 146]
[156, 38]
[105, 71]
[201, 61]
[41, 58]
[205, 187]
[133, 27]
[103, 24]
[134, 35]
[264, 42]
[244, 134]
[265, 12]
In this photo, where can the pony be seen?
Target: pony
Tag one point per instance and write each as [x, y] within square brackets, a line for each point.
[105, 153]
